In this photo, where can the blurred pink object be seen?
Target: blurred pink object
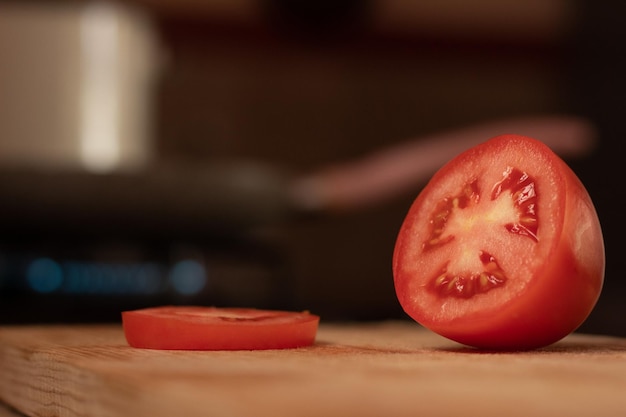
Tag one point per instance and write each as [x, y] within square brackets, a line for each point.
[404, 167]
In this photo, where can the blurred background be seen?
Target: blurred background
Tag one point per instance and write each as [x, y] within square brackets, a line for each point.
[161, 151]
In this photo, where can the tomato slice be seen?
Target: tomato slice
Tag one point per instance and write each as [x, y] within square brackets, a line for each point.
[213, 328]
[502, 249]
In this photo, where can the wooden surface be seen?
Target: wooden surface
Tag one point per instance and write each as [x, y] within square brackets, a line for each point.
[393, 369]
[5, 411]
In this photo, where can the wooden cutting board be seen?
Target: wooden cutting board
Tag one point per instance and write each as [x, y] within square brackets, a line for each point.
[379, 369]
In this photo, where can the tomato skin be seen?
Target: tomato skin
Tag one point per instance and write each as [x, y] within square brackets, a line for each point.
[561, 289]
[212, 328]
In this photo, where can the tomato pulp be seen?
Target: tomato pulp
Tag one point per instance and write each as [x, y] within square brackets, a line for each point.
[502, 249]
[212, 328]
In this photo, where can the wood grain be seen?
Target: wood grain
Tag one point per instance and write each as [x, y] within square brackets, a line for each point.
[376, 369]
[5, 411]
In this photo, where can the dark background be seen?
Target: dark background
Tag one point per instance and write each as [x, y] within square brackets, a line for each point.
[598, 91]
[300, 85]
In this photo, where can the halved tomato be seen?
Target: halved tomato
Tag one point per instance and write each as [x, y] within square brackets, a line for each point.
[502, 249]
[212, 328]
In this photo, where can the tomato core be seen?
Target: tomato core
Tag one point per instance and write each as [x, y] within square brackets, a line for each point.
[511, 208]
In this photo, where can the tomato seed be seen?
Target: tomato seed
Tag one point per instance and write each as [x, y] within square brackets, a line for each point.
[466, 286]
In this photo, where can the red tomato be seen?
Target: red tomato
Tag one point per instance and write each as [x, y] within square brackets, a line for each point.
[212, 328]
[502, 249]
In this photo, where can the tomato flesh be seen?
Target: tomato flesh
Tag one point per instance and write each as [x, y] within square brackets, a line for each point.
[502, 249]
[212, 328]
